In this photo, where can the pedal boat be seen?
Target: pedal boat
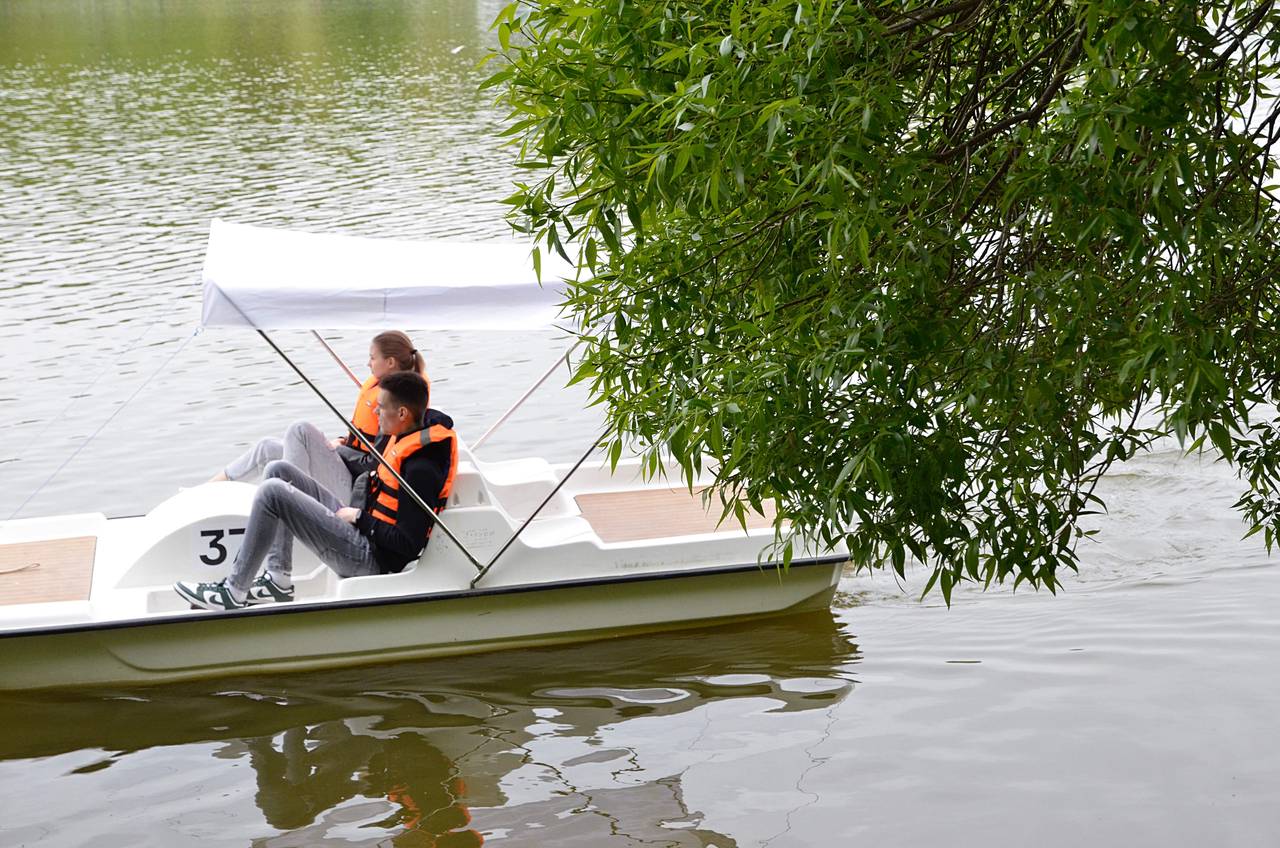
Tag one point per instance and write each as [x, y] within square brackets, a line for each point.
[88, 600]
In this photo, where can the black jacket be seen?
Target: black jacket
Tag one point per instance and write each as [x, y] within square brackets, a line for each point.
[397, 545]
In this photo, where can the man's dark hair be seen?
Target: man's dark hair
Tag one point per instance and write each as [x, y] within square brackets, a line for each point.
[408, 390]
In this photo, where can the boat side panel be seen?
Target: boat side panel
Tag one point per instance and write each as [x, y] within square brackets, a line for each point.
[325, 638]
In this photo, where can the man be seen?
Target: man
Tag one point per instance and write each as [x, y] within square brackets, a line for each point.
[382, 538]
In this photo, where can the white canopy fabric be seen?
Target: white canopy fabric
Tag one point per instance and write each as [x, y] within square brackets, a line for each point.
[282, 279]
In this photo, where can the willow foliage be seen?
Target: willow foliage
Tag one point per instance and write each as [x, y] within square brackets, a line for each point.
[921, 273]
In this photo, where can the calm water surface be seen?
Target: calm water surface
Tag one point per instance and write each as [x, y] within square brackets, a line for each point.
[1137, 708]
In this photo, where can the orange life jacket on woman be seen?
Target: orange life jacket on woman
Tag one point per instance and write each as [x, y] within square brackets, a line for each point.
[365, 418]
[384, 489]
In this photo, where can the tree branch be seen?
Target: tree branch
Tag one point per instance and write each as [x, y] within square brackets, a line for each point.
[1032, 114]
[911, 20]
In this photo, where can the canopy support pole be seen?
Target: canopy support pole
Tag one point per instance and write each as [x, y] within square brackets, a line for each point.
[337, 359]
[502, 419]
[594, 443]
[404, 485]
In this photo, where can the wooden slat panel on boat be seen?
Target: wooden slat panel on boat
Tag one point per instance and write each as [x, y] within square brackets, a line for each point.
[47, 570]
[659, 513]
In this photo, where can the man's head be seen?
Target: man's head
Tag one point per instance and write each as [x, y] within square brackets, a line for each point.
[402, 402]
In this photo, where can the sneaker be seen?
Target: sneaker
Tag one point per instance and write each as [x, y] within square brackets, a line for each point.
[210, 596]
[267, 591]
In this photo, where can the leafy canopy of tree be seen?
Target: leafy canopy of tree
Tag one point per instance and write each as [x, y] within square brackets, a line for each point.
[919, 272]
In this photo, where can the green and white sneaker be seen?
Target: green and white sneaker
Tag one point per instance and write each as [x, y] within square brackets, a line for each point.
[210, 596]
[267, 591]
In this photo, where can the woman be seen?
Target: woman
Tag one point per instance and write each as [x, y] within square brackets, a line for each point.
[309, 449]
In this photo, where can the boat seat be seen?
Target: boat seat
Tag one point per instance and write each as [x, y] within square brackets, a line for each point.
[509, 472]
[518, 486]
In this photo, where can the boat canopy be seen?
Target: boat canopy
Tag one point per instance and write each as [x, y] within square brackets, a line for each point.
[281, 279]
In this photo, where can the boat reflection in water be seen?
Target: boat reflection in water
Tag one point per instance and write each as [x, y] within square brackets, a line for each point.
[570, 745]
[310, 771]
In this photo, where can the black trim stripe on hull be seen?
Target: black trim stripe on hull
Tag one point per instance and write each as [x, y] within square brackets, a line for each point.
[424, 597]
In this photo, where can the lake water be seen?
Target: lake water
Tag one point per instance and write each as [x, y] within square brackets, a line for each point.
[1136, 708]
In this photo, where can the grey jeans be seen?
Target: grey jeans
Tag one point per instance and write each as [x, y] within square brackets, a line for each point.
[290, 505]
[303, 446]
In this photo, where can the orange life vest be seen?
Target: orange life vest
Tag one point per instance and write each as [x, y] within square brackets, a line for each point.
[411, 813]
[365, 418]
[384, 489]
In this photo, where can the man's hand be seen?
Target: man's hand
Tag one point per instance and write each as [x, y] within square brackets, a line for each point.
[348, 514]
[334, 443]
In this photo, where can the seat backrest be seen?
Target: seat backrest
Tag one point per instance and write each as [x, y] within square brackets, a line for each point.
[469, 487]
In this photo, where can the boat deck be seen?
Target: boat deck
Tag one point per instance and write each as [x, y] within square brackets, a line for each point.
[47, 570]
[658, 514]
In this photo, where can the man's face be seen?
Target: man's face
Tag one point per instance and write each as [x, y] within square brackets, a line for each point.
[393, 419]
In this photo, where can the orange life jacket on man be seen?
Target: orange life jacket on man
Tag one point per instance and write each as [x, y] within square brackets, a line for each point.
[384, 489]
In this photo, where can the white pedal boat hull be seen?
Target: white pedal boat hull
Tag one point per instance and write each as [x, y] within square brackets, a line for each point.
[568, 577]
[305, 636]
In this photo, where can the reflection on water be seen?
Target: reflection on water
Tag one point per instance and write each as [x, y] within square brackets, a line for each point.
[557, 746]
[316, 769]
